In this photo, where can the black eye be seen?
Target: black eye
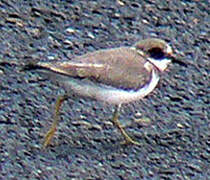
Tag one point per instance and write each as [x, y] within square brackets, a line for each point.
[156, 53]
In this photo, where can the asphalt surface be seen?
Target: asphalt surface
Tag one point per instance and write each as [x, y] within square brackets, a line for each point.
[172, 123]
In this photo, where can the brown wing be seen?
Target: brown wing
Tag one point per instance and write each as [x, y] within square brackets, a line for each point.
[120, 67]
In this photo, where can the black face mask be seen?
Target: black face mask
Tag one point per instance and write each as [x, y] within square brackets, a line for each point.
[156, 53]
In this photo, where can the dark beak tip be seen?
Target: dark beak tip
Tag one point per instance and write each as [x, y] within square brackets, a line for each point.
[30, 66]
[173, 58]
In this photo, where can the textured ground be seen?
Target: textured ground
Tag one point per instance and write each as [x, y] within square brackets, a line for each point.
[172, 123]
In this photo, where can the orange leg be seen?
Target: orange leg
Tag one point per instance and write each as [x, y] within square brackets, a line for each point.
[49, 135]
[128, 139]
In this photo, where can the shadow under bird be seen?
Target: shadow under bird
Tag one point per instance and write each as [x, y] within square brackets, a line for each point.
[116, 76]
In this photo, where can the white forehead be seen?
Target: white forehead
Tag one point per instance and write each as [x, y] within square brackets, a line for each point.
[168, 49]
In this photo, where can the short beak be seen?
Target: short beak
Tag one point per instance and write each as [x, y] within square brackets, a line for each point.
[177, 59]
[172, 57]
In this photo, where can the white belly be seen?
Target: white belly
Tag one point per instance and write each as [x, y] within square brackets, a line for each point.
[110, 94]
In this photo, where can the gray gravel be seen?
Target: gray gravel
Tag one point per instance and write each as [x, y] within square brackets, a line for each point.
[172, 123]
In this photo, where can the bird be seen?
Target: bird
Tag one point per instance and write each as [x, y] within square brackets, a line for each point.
[116, 76]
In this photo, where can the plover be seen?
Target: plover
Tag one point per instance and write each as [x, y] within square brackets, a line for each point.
[116, 76]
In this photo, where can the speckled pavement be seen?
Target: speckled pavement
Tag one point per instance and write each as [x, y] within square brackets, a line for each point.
[172, 123]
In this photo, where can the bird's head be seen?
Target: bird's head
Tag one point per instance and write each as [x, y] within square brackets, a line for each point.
[156, 51]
